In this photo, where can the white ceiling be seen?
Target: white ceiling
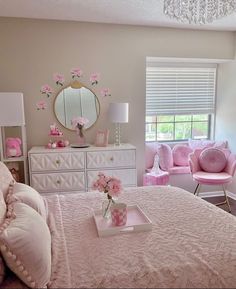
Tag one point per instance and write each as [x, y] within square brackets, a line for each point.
[135, 12]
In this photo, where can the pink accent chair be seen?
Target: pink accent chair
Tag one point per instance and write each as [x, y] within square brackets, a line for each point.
[212, 166]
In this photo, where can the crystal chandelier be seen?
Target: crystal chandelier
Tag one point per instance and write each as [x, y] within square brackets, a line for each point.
[198, 11]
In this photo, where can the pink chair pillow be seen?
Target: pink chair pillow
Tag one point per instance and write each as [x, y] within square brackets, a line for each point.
[180, 154]
[165, 157]
[212, 160]
[150, 152]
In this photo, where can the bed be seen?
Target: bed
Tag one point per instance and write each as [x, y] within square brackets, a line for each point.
[191, 244]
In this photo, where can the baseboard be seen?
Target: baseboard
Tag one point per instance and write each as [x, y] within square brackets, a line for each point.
[217, 194]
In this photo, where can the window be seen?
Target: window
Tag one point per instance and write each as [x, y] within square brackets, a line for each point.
[180, 102]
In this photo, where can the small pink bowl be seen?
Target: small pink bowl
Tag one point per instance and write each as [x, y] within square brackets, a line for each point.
[119, 214]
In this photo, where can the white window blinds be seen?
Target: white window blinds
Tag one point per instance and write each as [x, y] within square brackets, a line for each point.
[180, 90]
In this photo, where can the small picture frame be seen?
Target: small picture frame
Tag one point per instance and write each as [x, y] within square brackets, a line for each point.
[102, 138]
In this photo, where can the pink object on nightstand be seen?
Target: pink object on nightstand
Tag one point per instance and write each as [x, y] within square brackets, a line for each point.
[152, 179]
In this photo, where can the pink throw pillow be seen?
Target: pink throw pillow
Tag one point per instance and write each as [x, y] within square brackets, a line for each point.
[165, 157]
[180, 154]
[212, 160]
[150, 152]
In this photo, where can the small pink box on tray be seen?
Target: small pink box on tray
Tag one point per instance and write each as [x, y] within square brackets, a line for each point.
[136, 221]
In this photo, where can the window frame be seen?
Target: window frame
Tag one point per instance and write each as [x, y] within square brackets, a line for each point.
[209, 121]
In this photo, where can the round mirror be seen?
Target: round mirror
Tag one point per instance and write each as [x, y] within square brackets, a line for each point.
[76, 100]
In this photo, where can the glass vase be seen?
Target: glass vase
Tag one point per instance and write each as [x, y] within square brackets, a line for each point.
[81, 138]
[106, 205]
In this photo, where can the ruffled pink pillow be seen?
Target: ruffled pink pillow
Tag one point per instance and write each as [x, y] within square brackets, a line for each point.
[212, 160]
[165, 157]
[180, 154]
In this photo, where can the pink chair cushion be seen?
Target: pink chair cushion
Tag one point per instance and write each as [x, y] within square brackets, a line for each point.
[180, 154]
[212, 179]
[150, 152]
[212, 160]
[165, 157]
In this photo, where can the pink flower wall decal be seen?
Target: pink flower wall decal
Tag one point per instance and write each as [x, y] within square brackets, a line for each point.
[46, 89]
[76, 72]
[59, 79]
[41, 105]
[94, 78]
[105, 92]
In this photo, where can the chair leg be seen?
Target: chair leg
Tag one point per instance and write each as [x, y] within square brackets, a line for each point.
[196, 192]
[226, 201]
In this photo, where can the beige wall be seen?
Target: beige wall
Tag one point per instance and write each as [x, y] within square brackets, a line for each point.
[32, 50]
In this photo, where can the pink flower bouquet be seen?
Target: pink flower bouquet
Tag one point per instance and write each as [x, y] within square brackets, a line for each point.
[79, 122]
[110, 186]
[94, 78]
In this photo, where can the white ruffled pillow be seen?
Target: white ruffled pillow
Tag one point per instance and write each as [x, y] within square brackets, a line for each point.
[30, 197]
[25, 243]
[5, 179]
[3, 210]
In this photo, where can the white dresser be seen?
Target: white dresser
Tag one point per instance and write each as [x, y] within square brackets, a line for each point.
[75, 169]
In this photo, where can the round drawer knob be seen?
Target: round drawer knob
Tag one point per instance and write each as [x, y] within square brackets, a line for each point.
[58, 162]
[58, 182]
[111, 159]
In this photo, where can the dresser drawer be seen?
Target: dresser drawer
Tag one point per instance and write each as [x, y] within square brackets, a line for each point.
[58, 182]
[56, 161]
[111, 159]
[128, 177]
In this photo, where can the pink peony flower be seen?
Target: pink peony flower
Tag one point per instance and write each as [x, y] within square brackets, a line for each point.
[109, 185]
[46, 89]
[79, 122]
[76, 72]
[58, 78]
[41, 104]
[94, 78]
[105, 92]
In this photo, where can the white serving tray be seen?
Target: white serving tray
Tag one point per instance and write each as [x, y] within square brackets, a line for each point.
[136, 221]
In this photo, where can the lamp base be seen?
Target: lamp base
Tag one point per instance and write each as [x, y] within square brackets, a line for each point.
[117, 134]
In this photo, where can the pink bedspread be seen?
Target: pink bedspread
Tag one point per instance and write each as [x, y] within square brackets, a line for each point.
[192, 243]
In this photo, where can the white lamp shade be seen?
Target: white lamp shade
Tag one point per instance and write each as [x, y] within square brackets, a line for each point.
[11, 109]
[118, 112]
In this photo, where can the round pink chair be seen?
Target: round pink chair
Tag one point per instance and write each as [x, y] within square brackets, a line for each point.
[212, 166]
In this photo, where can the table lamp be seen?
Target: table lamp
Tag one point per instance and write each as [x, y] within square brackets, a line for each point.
[118, 113]
[11, 109]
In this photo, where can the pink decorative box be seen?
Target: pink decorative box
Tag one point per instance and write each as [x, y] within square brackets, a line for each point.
[151, 179]
[136, 221]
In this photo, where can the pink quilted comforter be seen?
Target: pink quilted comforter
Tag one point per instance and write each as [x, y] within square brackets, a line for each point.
[192, 243]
